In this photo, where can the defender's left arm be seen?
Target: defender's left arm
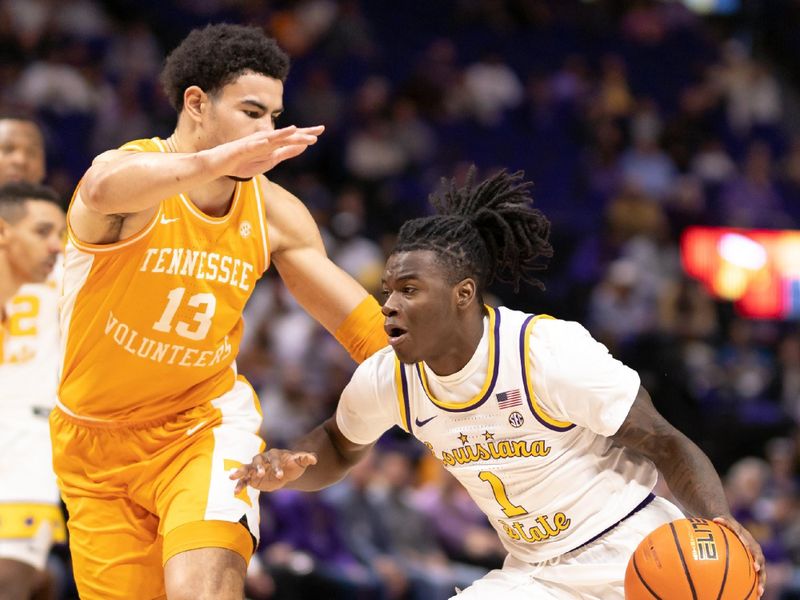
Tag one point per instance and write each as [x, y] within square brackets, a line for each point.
[331, 296]
[686, 469]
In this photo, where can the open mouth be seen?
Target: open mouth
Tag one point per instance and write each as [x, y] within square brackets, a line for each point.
[396, 335]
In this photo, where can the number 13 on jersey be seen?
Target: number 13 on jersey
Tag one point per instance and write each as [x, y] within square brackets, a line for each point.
[205, 305]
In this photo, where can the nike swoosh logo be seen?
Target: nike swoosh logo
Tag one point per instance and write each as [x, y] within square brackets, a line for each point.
[166, 221]
[191, 430]
[425, 422]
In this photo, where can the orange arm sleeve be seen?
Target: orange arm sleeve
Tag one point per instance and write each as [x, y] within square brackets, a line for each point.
[362, 332]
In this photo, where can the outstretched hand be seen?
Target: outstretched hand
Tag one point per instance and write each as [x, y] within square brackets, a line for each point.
[752, 545]
[259, 152]
[273, 469]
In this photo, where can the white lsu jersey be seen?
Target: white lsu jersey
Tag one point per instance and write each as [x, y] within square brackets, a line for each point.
[30, 349]
[524, 427]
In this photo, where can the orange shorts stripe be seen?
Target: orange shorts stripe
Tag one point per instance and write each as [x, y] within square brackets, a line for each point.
[209, 534]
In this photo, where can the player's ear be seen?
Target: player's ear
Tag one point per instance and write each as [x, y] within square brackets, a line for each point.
[195, 101]
[465, 292]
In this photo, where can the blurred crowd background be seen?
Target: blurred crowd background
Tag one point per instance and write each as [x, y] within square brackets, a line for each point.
[635, 120]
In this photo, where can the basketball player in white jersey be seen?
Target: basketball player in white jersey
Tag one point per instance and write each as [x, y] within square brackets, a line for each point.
[31, 353]
[555, 440]
[31, 234]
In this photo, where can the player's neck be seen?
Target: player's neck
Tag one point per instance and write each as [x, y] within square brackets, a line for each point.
[460, 347]
[8, 283]
[213, 198]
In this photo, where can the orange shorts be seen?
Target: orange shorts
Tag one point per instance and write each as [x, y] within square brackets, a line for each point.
[139, 494]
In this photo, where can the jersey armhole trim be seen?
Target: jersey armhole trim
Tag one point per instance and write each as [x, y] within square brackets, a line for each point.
[262, 221]
[106, 248]
[527, 366]
[401, 387]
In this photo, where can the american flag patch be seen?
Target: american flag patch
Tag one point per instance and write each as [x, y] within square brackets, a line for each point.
[509, 399]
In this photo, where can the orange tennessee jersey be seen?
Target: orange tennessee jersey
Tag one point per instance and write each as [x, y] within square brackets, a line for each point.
[152, 324]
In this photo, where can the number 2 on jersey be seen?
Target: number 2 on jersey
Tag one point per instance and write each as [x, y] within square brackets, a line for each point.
[23, 319]
[182, 328]
[499, 491]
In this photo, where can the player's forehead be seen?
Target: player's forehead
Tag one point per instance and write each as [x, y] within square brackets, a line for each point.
[20, 132]
[412, 264]
[261, 88]
[41, 212]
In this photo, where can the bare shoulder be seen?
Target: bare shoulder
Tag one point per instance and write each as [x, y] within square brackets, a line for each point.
[290, 223]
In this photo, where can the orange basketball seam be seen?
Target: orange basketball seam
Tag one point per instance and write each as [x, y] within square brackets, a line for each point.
[727, 563]
[747, 552]
[644, 583]
[683, 561]
[752, 585]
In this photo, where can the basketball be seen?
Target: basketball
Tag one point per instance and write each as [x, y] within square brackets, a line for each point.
[691, 559]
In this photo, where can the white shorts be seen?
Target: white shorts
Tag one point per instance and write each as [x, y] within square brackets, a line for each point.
[595, 571]
[30, 511]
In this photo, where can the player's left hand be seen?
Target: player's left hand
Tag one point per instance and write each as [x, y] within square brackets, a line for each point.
[273, 469]
[752, 545]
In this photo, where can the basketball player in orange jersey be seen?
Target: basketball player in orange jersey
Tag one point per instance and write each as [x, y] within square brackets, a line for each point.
[556, 441]
[30, 514]
[166, 239]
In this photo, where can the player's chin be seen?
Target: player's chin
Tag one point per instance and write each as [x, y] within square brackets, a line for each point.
[406, 355]
[239, 179]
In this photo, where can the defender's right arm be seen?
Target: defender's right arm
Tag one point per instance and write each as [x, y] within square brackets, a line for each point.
[122, 185]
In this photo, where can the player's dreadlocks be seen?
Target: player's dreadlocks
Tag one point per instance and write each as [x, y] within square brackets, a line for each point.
[486, 231]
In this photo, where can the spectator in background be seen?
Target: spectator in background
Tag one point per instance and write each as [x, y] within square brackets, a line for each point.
[411, 533]
[645, 165]
[364, 527]
[305, 550]
[747, 366]
[786, 387]
[621, 308]
[493, 89]
[753, 199]
[751, 92]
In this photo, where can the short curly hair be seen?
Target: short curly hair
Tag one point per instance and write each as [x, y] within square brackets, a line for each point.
[216, 55]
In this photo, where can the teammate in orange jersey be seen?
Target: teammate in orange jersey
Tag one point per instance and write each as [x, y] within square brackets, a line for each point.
[166, 239]
[30, 513]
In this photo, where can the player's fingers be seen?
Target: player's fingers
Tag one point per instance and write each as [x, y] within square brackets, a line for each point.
[316, 130]
[275, 468]
[240, 473]
[258, 466]
[278, 134]
[287, 152]
[752, 545]
[305, 459]
[296, 139]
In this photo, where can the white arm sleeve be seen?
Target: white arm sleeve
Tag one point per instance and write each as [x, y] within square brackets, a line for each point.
[368, 405]
[576, 379]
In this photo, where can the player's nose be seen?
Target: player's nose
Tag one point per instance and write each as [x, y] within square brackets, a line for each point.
[388, 309]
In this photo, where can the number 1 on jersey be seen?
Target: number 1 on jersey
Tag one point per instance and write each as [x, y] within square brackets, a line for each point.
[182, 328]
[499, 491]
